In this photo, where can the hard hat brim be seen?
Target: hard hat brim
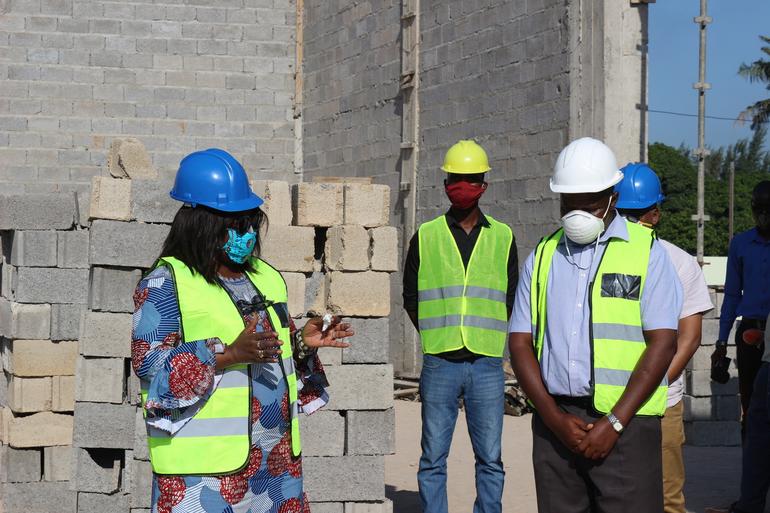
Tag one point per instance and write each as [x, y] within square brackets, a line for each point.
[639, 205]
[243, 205]
[464, 172]
[581, 189]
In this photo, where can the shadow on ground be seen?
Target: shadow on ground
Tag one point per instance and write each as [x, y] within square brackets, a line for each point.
[404, 501]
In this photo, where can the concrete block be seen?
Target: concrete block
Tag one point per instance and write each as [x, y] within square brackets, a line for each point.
[713, 433]
[96, 470]
[698, 383]
[327, 507]
[367, 204]
[330, 355]
[37, 211]
[345, 478]
[347, 248]
[112, 289]
[108, 426]
[360, 387]
[31, 248]
[290, 248]
[63, 393]
[364, 294]
[701, 360]
[385, 506]
[99, 502]
[140, 484]
[126, 244]
[717, 298]
[722, 407]
[41, 430]
[110, 198]
[100, 380]
[38, 498]
[384, 249]
[128, 158]
[318, 204]
[57, 463]
[8, 281]
[151, 202]
[38, 358]
[65, 321]
[277, 196]
[134, 389]
[371, 432]
[141, 451]
[371, 342]
[315, 294]
[29, 395]
[73, 249]
[51, 285]
[24, 321]
[6, 417]
[710, 332]
[323, 434]
[295, 285]
[19, 465]
[106, 334]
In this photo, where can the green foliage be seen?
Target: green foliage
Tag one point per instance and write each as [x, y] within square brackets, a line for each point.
[757, 71]
[678, 172]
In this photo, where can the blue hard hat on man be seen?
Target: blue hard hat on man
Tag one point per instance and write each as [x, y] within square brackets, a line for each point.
[215, 179]
[639, 189]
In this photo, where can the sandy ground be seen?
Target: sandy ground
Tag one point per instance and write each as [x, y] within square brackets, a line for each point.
[713, 473]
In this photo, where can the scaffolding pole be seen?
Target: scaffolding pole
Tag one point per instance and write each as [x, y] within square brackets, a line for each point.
[701, 152]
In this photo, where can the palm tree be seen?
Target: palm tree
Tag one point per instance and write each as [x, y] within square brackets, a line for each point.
[757, 71]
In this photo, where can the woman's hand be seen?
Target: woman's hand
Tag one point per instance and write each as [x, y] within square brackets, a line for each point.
[252, 347]
[313, 337]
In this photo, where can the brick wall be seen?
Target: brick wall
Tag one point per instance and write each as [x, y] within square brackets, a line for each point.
[179, 76]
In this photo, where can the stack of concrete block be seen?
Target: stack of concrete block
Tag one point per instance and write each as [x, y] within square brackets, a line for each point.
[44, 289]
[712, 411]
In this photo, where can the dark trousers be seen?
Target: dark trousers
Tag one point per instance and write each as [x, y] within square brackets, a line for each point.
[748, 360]
[755, 474]
[628, 480]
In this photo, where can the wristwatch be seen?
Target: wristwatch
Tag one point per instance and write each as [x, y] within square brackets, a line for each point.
[615, 422]
[721, 343]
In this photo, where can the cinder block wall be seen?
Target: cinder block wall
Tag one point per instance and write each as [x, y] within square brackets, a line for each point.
[177, 75]
[72, 437]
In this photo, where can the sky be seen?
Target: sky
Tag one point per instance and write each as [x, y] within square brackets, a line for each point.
[732, 38]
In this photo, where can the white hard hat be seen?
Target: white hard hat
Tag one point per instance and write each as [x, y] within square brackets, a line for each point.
[585, 165]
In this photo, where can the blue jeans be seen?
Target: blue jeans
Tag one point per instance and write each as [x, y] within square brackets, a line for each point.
[480, 383]
[755, 475]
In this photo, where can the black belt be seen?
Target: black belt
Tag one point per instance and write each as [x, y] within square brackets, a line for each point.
[583, 402]
[758, 324]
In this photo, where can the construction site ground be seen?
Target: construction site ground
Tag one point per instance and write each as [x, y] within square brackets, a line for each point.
[713, 473]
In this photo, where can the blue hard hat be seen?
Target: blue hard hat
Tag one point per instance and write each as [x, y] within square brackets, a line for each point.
[639, 189]
[214, 179]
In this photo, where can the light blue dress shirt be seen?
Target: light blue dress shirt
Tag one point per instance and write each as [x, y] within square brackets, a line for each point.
[566, 359]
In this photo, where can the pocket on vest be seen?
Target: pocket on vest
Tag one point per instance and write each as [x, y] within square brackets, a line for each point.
[624, 286]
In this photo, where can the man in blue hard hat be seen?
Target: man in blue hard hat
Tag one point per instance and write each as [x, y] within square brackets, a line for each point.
[639, 199]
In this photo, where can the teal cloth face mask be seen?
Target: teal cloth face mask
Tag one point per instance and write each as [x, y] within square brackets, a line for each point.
[239, 247]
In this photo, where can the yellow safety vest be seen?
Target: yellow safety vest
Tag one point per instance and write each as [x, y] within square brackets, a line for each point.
[217, 440]
[617, 340]
[460, 307]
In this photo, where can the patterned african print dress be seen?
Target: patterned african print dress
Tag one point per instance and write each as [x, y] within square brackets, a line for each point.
[180, 378]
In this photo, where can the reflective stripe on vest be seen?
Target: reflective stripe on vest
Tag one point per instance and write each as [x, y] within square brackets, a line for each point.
[617, 338]
[460, 307]
[217, 439]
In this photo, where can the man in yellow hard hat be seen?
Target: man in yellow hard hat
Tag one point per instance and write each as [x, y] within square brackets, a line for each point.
[459, 281]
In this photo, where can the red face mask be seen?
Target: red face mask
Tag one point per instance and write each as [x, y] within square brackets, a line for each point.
[464, 195]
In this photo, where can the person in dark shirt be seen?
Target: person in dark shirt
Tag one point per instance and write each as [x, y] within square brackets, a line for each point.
[460, 278]
[747, 293]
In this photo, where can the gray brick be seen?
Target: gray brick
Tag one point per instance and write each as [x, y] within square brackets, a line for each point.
[323, 434]
[371, 343]
[36, 211]
[359, 387]
[19, 465]
[151, 202]
[141, 450]
[371, 432]
[107, 426]
[100, 380]
[22, 321]
[713, 433]
[698, 383]
[31, 248]
[106, 334]
[96, 470]
[345, 478]
[73, 249]
[47, 285]
[112, 289]
[327, 507]
[57, 463]
[126, 244]
[38, 497]
[93, 502]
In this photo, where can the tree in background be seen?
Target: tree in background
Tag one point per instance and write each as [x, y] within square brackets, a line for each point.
[757, 71]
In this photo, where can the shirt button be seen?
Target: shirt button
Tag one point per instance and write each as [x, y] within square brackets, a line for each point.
[582, 275]
[574, 332]
[572, 364]
[580, 305]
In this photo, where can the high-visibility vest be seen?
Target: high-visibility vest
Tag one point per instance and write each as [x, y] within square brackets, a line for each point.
[617, 340]
[459, 307]
[217, 439]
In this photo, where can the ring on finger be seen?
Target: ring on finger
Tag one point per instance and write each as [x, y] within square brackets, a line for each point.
[260, 354]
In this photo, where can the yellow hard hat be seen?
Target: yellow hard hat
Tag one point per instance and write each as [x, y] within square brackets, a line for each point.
[466, 158]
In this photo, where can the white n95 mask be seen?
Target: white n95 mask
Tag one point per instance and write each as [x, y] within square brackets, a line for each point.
[581, 227]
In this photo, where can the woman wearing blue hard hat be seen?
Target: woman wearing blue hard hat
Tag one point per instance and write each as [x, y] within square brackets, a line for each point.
[224, 371]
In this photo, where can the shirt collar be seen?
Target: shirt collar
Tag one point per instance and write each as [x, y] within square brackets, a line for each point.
[482, 221]
[756, 237]
[617, 230]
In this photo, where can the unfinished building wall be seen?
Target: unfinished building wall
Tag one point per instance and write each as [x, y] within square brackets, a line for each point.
[179, 76]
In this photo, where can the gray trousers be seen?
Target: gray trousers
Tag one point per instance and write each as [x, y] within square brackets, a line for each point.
[628, 480]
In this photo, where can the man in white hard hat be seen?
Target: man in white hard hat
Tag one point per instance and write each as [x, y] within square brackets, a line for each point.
[592, 334]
